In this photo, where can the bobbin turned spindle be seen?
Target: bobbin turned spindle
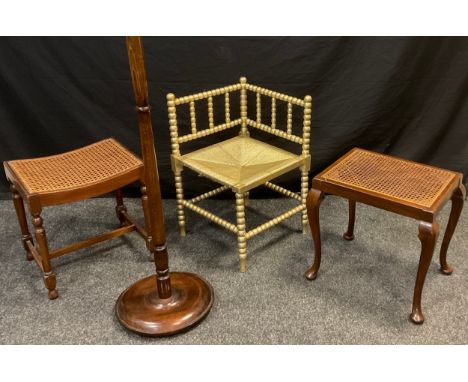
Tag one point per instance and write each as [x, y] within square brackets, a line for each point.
[241, 163]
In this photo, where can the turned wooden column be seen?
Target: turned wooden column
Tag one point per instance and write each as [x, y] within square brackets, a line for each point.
[165, 303]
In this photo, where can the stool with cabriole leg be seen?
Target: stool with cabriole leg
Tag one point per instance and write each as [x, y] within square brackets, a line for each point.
[407, 188]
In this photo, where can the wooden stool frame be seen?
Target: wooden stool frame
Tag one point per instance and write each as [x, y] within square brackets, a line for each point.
[421, 200]
[241, 191]
[40, 251]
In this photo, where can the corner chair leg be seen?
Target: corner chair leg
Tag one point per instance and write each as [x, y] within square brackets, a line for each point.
[349, 234]
[458, 198]
[246, 198]
[241, 239]
[120, 207]
[304, 190]
[180, 198]
[41, 239]
[428, 233]
[19, 207]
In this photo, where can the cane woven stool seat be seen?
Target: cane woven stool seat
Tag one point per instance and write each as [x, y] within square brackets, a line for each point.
[242, 163]
[89, 171]
[388, 177]
[404, 187]
[78, 169]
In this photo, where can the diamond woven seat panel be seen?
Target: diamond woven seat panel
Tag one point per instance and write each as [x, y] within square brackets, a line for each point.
[78, 168]
[397, 178]
[241, 162]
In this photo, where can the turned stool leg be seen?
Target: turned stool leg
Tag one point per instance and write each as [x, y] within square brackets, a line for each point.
[314, 199]
[349, 234]
[120, 207]
[428, 233]
[241, 239]
[458, 198]
[180, 198]
[41, 239]
[19, 207]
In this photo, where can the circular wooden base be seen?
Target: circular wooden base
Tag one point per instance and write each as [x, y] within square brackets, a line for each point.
[140, 309]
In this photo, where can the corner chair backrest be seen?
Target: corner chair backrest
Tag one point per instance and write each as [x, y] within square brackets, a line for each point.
[242, 87]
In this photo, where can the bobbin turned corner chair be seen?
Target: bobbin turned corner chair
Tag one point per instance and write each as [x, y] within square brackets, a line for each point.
[241, 163]
[89, 171]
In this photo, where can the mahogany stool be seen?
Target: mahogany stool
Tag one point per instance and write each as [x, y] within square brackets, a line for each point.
[89, 171]
[407, 188]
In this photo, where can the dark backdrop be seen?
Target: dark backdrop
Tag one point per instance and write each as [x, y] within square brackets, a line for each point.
[402, 96]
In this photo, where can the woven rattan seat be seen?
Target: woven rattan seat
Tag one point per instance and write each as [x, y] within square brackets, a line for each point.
[83, 167]
[241, 163]
[390, 177]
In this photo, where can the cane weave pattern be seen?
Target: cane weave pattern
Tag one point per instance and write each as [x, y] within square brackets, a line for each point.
[78, 168]
[409, 181]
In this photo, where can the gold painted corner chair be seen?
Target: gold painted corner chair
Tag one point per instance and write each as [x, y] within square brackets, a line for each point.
[241, 163]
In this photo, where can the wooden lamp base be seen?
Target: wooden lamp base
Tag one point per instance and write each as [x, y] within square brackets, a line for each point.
[141, 310]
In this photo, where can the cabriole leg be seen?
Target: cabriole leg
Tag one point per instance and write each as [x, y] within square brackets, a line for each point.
[41, 239]
[349, 234]
[314, 199]
[428, 233]
[180, 198]
[241, 239]
[19, 207]
[458, 198]
[120, 207]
